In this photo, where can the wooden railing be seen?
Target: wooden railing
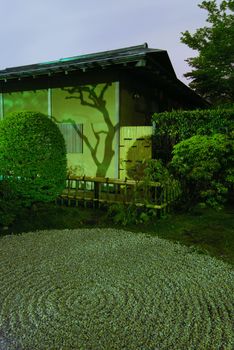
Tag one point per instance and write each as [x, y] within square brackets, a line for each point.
[97, 190]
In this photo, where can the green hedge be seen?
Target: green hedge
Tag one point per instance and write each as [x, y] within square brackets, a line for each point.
[173, 127]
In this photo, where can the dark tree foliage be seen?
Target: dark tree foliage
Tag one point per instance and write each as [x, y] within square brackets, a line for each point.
[212, 69]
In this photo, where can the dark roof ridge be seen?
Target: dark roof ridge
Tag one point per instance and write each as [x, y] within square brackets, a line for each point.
[124, 50]
[131, 50]
[102, 53]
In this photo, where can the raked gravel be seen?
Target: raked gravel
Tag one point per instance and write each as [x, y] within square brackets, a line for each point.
[95, 289]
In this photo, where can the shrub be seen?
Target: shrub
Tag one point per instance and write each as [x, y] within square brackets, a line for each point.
[153, 170]
[130, 214]
[9, 204]
[144, 173]
[204, 164]
[173, 127]
[150, 170]
[157, 172]
[170, 189]
[32, 156]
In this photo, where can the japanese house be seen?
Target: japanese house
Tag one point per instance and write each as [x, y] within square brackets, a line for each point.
[102, 102]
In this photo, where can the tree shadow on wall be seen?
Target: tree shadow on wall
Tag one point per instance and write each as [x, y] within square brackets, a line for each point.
[142, 167]
[90, 97]
[137, 155]
[135, 165]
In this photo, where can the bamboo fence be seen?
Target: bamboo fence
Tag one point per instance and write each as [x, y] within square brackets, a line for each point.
[97, 191]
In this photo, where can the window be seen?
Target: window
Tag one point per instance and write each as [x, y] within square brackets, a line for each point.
[72, 134]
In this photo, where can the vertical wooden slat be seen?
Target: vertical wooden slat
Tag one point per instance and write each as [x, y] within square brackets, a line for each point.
[1, 106]
[134, 146]
[76, 193]
[73, 141]
[49, 102]
[124, 191]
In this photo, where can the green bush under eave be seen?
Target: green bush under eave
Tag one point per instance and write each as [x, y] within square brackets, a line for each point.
[175, 126]
[205, 166]
[32, 156]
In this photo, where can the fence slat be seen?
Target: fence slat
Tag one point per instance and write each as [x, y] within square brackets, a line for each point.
[98, 190]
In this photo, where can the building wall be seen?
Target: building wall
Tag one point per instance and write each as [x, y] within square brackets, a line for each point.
[36, 100]
[135, 147]
[136, 104]
[124, 98]
[92, 113]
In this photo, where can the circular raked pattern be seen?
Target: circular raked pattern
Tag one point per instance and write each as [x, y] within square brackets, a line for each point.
[109, 289]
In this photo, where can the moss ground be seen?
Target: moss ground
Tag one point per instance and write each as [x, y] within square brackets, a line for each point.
[111, 289]
[208, 231]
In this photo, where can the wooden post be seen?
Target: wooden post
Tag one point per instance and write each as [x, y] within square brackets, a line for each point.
[76, 193]
[96, 193]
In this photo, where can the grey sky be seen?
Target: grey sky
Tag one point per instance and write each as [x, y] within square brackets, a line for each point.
[33, 31]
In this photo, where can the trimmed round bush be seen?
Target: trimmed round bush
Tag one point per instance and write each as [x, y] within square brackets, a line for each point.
[32, 156]
[9, 204]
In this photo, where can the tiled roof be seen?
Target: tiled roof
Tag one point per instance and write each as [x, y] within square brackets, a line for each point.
[153, 62]
[130, 55]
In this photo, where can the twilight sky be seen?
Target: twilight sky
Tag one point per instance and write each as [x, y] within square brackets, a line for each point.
[33, 31]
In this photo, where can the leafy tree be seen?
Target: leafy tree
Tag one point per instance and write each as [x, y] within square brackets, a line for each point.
[212, 69]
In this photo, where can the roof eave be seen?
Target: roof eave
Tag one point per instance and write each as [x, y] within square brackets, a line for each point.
[81, 66]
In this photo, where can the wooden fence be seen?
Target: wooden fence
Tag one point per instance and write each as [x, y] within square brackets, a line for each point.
[135, 145]
[96, 191]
